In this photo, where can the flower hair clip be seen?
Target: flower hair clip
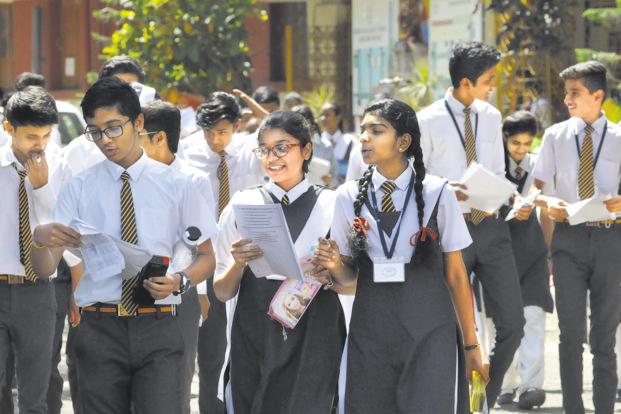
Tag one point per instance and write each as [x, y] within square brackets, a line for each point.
[360, 225]
[422, 234]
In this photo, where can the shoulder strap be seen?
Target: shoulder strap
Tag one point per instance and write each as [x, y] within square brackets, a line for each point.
[348, 152]
[268, 198]
[434, 213]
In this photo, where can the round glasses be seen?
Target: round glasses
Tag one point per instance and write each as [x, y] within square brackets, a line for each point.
[95, 134]
[279, 150]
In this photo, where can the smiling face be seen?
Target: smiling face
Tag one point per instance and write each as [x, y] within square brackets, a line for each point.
[485, 85]
[379, 142]
[28, 141]
[518, 146]
[580, 102]
[292, 303]
[125, 149]
[285, 171]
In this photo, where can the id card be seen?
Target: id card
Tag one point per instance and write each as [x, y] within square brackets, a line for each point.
[388, 270]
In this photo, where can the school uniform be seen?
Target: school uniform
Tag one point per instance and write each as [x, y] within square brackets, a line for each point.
[585, 257]
[131, 361]
[242, 169]
[343, 145]
[81, 154]
[271, 373]
[403, 336]
[444, 139]
[531, 257]
[27, 304]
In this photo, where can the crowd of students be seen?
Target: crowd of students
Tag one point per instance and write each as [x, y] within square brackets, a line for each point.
[385, 319]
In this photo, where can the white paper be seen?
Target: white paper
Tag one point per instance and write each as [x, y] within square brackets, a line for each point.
[527, 201]
[266, 226]
[591, 209]
[486, 191]
[135, 258]
[317, 169]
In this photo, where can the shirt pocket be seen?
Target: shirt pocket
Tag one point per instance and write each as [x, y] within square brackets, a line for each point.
[157, 225]
[607, 174]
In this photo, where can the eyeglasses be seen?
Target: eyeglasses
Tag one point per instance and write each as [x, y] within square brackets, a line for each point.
[279, 150]
[95, 134]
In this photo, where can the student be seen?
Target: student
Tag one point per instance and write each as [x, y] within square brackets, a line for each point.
[403, 335]
[582, 156]
[274, 370]
[160, 139]
[531, 257]
[343, 144]
[30, 188]
[456, 130]
[267, 97]
[292, 99]
[231, 166]
[26, 79]
[128, 355]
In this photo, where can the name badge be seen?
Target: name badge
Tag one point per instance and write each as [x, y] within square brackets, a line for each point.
[388, 270]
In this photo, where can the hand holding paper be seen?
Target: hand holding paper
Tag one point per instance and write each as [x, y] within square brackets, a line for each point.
[522, 203]
[486, 191]
[591, 209]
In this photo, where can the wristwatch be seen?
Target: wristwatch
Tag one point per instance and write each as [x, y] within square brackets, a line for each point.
[184, 285]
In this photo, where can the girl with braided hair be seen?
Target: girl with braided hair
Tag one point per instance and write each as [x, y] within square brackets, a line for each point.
[398, 234]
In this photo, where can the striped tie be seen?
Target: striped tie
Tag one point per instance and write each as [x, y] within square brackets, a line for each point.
[25, 234]
[476, 216]
[224, 194]
[519, 173]
[387, 205]
[285, 200]
[586, 186]
[129, 234]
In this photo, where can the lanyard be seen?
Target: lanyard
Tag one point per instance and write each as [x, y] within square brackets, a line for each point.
[599, 147]
[375, 213]
[461, 136]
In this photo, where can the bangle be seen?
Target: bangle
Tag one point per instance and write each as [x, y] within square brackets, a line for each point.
[471, 347]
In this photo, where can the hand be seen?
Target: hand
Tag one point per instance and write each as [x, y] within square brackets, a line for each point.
[203, 301]
[37, 171]
[161, 287]
[256, 108]
[614, 204]
[74, 312]
[457, 187]
[327, 179]
[244, 250]
[524, 213]
[474, 362]
[56, 235]
[327, 255]
[321, 275]
[558, 212]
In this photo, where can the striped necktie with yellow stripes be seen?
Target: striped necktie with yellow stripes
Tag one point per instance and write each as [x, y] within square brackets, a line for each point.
[224, 191]
[25, 233]
[388, 206]
[129, 233]
[586, 185]
[476, 216]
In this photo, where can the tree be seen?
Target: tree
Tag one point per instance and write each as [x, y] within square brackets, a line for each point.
[195, 46]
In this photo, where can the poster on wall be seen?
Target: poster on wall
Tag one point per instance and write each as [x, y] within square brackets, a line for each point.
[450, 22]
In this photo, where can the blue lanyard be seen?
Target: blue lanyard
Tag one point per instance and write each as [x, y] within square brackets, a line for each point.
[599, 147]
[461, 136]
[375, 213]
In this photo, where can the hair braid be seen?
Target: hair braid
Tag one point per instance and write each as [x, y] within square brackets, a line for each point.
[357, 236]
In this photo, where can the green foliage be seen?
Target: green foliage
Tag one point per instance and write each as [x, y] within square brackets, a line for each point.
[418, 91]
[609, 17]
[316, 98]
[195, 46]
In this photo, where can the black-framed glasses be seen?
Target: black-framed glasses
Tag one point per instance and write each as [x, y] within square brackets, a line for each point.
[95, 134]
[279, 150]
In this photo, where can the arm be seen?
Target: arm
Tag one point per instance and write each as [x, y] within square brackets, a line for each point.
[459, 287]
[256, 108]
[226, 284]
[50, 241]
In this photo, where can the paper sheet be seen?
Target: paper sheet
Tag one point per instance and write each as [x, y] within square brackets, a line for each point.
[486, 191]
[591, 209]
[265, 225]
[317, 169]
[528, 201]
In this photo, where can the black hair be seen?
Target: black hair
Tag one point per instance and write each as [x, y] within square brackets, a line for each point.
[470, 60]
[520, 122]
[306, 112]
[294, 96]
[265, 95]
[5, 99]
[337, 111]
[111, 92]
[163, 116]
[26, 79]
[122, 64]
[218, 106]
[293, 124]
[592, 74]
[32, 106]
[403, 119]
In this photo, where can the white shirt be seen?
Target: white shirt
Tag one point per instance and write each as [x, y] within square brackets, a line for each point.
[527, 164]
[40, 204]
[443, 151]
[166, 203]
[451, 225]
[559, 160]
[81, 154]
[339, 141]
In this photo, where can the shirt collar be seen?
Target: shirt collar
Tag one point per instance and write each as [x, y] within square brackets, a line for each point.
[456, 106]
[293, 194]
[176, 164]
[402, 181]
[598, 126]
[134, 170]
[524, 165]
[7, 157]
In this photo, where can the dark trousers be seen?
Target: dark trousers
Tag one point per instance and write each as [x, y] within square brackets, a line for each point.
[27, 323]
[490, 257]
[188, 317]
[211, 350]
[587, 260]
[62, 290]
[131, 363]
